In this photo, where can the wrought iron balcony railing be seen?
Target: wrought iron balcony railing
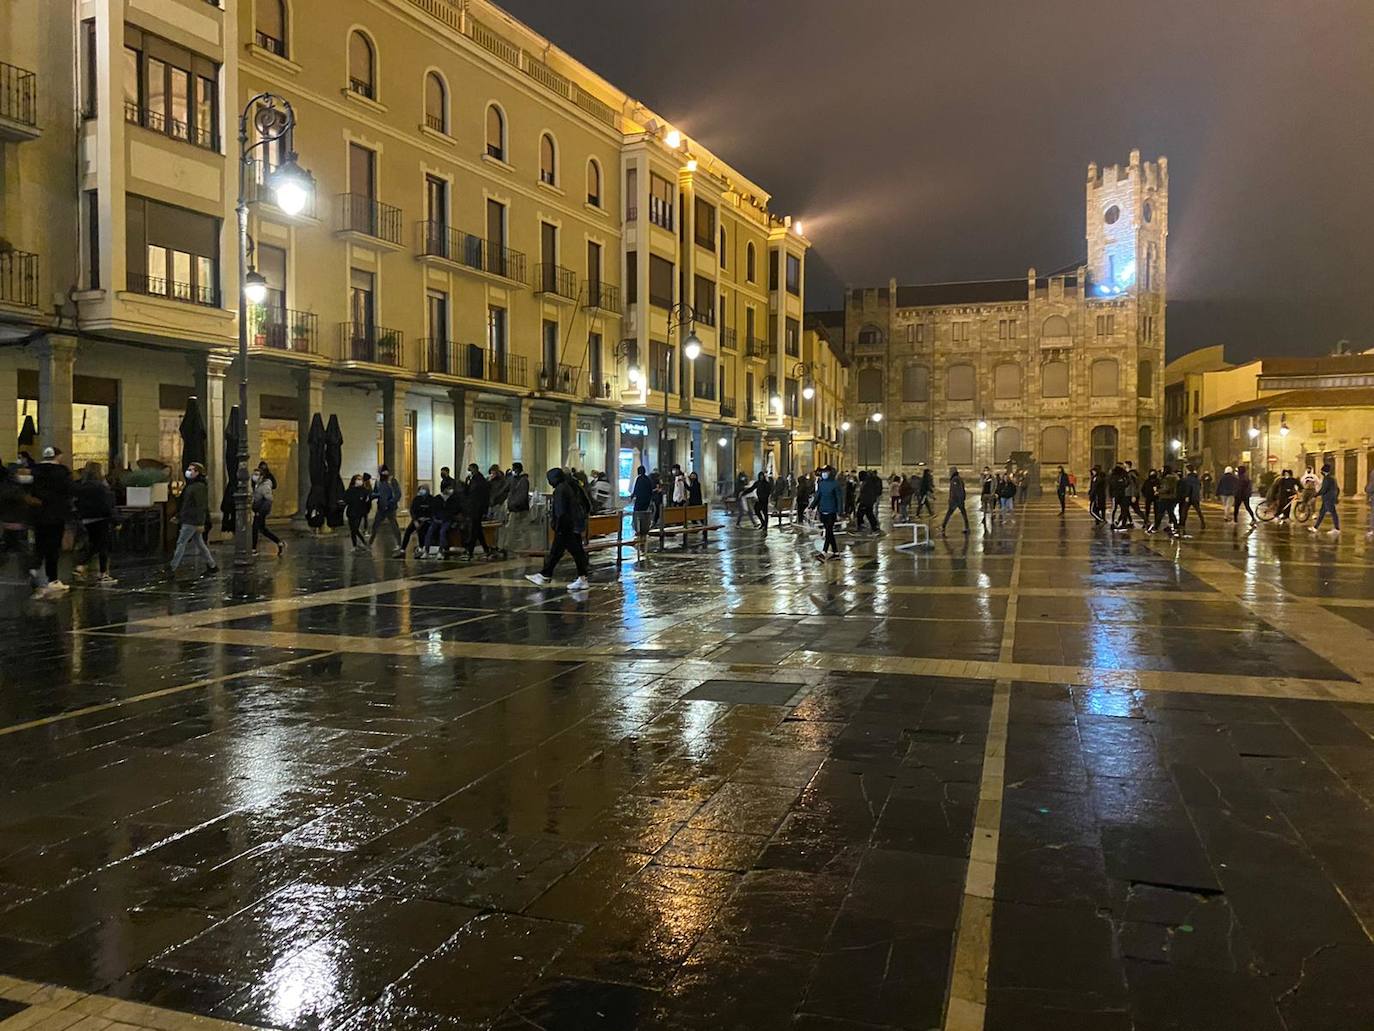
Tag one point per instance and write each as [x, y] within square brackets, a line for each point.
[19, 278]
[440, 241]
[556, 280]
[359, 213]
[18, 95]
[284, 329]
[367, 342]
[206, 294]
[563, 379]
[602, 295]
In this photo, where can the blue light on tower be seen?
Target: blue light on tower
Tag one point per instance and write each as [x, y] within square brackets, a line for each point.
[1122, 280]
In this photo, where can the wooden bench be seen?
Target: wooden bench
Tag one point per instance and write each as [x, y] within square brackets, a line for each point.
[603, 531]
[490, 528]
[684, 521]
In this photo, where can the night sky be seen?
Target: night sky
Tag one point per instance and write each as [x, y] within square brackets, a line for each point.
[936, 141]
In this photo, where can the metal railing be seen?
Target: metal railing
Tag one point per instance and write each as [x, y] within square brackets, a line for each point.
[727, 338]
[599, 390]
[18, 95]
[19, 278]
[359, 213]
[602, 295]
[271, 44]
[260, 193]
[750, 412]
[755, 348]
[661, 212]
[157, 121]
[555, 279]
[706, 316]
[727, 407]
[362, 87]
[284, 329]
[435, 122]
[512, 370]
[439, 241]
[564, 379]
[437, 356]
[365, 342]
[157, 286]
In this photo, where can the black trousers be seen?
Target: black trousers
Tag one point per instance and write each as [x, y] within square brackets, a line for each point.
[1245, 501]
[866, 512]
[1183, 507]
[477, 534]
[1063, 493]
[569, 541]
[923, 501]
[955, 506]
[828, 521]
[48, 538]
[417, 528]
[98, 543]
[260, 529]
[761, 510]
[355, 530]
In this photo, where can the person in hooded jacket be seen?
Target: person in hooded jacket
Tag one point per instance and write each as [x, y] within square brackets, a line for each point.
[693, 489]
[192, 508]
[925, 490]
[52, 486]
[870, 490]
[1226, 491]
[499, 488]
[828, 503]
[477, 500]
[763, 490]
[567, 518]
[421, 516]
[95, 507]
[519, 531]
[956, 500]
[357, 500]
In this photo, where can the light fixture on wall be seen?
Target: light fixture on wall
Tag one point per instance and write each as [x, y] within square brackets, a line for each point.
[722, 441]
[1283, 425]
[982, 420]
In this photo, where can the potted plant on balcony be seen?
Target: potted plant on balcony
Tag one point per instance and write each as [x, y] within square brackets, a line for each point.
[300, 337]
[389, 349]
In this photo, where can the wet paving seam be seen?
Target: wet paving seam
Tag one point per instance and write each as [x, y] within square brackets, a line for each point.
[966, 999]
[52, 1007]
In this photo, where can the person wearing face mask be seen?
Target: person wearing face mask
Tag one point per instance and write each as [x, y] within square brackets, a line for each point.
[263, 484]
[476, 501]
[193, 507]
[388, 497]
[52, 486]
[357, 499]
[828, 503]
[421, 519]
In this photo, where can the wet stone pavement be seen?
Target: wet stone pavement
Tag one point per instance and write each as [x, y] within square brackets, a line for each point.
[1043, 777]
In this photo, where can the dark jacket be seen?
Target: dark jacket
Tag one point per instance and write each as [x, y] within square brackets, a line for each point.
[1063, 482]
[499, 487]
[693, 492]
[927, 485]
[870, 490]
[568, 512]
[456, 504]
[1330, 490]
[193, 507]
[1226, 486]
[829, 496]
[518, 497]
[477, 498]
[1192, 488]
[956, 491]
[17, 505]
[94, 500]
[388, 495]
[642, 493]
[422, 508]
[1243, 486]
[52, 486]
[357, 500]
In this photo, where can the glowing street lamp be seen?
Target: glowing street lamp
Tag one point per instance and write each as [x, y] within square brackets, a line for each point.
[254, 287]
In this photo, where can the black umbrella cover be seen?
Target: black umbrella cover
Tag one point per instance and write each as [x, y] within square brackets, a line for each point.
[28, 436]
[228, 514]
[333, 468]
[193, 435]
[317, 498]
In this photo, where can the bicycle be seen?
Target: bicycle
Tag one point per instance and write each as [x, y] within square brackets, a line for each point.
[1301, 507]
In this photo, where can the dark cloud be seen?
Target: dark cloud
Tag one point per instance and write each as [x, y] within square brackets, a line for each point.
[934, 140]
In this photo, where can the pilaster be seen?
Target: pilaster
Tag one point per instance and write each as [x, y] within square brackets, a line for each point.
[56, 358]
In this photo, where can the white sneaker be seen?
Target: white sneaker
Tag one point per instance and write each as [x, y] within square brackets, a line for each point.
[1333, 533]
[538, 579]
[580, 584]
[59, 586]
[106, 580]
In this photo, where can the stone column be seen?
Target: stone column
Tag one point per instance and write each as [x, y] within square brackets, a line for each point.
[697, 459]
[9, 414]
[610, 423]
[210, 370]
[56, 357]
[520, 432]
[309, 403]
[567, 430]
[393, 426]
[463, 424]
[654, 423]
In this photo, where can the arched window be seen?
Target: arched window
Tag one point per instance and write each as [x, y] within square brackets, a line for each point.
[915, 382]
[960, 381]
[436, 103]
[870, 386]
[1055, 326]
[362, 66]
[870, 336]
[1104, 447]
[496, 133]
[1054, 445]
[593, 183]
[870, 448]
[1106, 377]
[548, 160]
[1006, 381]
[1145, 451]
[1054, 379]
[749, 260]
[1145, 379]
[959, 446]
[270, 31]
[915, 445]
[1006, 440]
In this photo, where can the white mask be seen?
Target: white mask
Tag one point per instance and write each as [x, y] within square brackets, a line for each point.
[190, 474]
[257, 477]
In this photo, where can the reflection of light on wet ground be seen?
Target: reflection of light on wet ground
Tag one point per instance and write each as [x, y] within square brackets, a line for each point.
[307, 982]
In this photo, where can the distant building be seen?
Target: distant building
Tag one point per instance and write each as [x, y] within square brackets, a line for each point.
[1065, 368]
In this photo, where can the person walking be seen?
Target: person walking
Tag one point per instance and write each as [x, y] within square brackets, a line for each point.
[1116, 489]
[1328, 494]
[1226, 490]
[1097, 494]
[421, 517]
[95, 508]
[1061, 488]
[263, 483]
[956, 501]
[371, 495]
[1242, 498]
[1133, 492]
[851, 494]
[357, 500]
[388, 498]
[1006, 493]
[1166, 502]
[828, 503]
[475, 503]
[925, 492]
[1190, 497]
[763, 490]
[1149, 495]
[193, 508]
[895, 492]
[987, 500]
[568, 518]
[870, 490]
[642, 511]
[803, 498]
[52, 487]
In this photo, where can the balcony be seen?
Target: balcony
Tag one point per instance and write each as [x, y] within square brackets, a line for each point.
[560, 379]
[187, 293]
[751, 413]
[661, 213]
[706, 316]
[376, 345]
[19, 278]
[755, 348]
[362, 87]
[258, 192]
[727, 407]
[599, 390]
[18, 104]
[727, 339]
[158, 122]
[439, 241]
[438, 356]
[359, 213]
[275, 328]
[602, 296]
[271, 44]
[555, 280]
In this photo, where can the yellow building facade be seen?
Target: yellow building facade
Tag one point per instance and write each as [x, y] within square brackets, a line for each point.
[502, 259]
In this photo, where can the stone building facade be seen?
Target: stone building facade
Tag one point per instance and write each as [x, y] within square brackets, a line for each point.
[1049, 369]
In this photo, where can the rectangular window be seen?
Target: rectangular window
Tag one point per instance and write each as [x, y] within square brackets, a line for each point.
[1006, 329]
[133, 94]
[549, 340]
[436, 202]
[631, 277]
[595, 372]
[660, 201]
[704, 300]
[794, 275]
[436, 315]
[792, 339]
[1106, 325]
[911, 333]
[179, 109]
[89, 83]
[632, 195]
[362, 306]
[362, 172]
[704, 377]
[749, 325]
[171, 90]
[661, 358]
[496, 224]
[593, 271]
[548, 247]
[1318, 425]
[171, 252]
[960, 332]
[496, 337]
[93, 239]
[705, 224]
[791, 398]
[660, 282]
[772, 270]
